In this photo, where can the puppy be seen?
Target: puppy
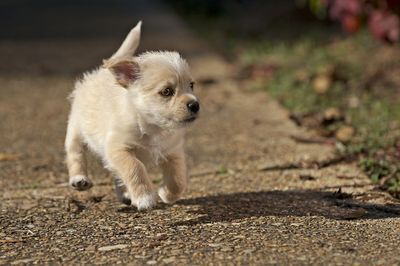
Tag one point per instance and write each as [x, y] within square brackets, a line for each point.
[132, 112]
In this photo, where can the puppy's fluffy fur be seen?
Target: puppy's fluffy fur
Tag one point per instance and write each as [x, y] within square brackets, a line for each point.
[132, 112]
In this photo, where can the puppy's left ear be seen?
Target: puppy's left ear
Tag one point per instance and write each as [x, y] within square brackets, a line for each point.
[125, 71]
[130, 44]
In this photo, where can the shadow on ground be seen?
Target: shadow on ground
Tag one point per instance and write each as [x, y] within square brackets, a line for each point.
[229, 207]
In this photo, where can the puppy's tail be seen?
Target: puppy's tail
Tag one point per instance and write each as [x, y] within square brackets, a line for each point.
[129, 46]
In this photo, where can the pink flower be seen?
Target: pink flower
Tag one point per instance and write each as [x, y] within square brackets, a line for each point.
[384, 25]
[342, 8]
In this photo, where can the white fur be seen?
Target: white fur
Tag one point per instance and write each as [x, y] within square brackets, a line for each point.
[131, 127]
[145, 202]
[163, 195]
[76, 180]
[130, 44]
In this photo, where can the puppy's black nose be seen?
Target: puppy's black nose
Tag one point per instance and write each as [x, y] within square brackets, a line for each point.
[193, 106]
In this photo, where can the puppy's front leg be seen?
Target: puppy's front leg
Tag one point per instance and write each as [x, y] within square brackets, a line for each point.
[175, 177]
[134, 175]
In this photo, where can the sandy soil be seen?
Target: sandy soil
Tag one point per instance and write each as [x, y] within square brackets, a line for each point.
[233, 213]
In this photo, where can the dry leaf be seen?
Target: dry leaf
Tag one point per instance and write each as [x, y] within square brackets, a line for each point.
[8, 157]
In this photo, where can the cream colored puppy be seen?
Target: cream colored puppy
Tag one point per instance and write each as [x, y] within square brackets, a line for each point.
[132, 112]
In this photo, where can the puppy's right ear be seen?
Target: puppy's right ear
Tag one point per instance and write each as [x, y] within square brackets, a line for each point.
[125, 71]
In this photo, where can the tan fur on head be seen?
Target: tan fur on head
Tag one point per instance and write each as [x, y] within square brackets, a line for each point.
[132, 112]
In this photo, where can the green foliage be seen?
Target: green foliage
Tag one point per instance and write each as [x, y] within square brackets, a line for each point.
[375, 169]
[371, 116]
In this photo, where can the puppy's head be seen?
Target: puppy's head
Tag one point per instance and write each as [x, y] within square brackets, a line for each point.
[159, 84]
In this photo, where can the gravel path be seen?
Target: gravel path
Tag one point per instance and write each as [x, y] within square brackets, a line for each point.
[233, 213]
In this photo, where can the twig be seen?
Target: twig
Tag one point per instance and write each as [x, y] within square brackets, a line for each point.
[312, 140]
[204, 172]
[305, 165]
[288, 166]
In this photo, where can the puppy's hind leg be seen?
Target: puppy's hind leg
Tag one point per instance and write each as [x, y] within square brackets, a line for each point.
[76, 159]
[175, 177]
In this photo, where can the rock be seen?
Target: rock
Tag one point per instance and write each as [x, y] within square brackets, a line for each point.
[151, 262]
[22, 261]
[321, 84]
[332, 114]
[113, 247]
[353, 102]
[345, 133]
[169, 260]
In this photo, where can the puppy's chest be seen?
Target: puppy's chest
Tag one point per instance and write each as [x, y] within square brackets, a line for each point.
[153, 149]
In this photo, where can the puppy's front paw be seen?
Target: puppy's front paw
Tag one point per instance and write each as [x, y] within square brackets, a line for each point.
[166, 196]
[80, 182]
[145, 202]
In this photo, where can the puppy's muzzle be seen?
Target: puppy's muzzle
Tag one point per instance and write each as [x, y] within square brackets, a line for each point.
[193, 106]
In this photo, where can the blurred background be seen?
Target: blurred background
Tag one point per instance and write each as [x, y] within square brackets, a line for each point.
[300, 112]
[334, 64]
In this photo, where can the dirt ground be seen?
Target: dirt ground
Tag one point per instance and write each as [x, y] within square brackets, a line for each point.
[234, 212]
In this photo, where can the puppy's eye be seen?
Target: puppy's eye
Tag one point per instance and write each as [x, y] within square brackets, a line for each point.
[192, 85]
[167, 92]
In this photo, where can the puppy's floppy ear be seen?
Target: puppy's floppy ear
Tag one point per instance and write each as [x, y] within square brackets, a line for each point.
[125, 71]
[130, 44]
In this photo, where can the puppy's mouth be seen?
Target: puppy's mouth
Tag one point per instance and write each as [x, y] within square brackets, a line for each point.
[189, 120]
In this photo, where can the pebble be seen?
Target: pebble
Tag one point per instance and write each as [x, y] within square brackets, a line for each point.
[345, 133]
[169, 260]
[108, 248]
[90, 248]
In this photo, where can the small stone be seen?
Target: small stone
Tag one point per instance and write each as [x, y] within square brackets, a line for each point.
[214, 245]
[248, 250]
[332, 114]
[151, 262]
[353, 102]
[296, 224]
[321, 84]
[90, 248]
[345, 133]
[22, 261]
[169, 260]
[113, 247]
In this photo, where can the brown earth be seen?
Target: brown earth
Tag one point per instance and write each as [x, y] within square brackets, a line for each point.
[233, 213]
